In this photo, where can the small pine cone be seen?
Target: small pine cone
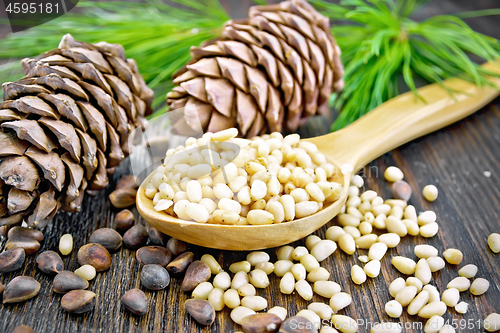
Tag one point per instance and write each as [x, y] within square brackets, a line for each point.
[266, 73]
[65, 126]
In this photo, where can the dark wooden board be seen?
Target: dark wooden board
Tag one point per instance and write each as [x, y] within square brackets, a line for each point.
[454, 159]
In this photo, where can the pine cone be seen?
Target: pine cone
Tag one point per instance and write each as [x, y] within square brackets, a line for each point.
[264, 74]
[64, 127]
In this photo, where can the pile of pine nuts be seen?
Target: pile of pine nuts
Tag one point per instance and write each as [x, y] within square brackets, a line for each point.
[222, 179]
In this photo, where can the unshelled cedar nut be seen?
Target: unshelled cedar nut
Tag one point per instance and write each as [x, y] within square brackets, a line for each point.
[67, 281]
[155, 277]
[26, 232]
[12, 260]
[128, 181]
[20, 288]
[180, 263]
[123, 197]
[135, 301]
[261, 322]
[124, 220]
[78, 301]
[23, 329]
[156, 237]
[135, 237]
[108, 238]
[2, 288]
[201, 311]
[30, 245]
[95, 255]
[297, 324]
[401, 190]
[153, 255]
[196, 273]
[49, 262]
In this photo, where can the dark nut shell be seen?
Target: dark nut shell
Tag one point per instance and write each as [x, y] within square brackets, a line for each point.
[108, 238]
[11, 260]
[21, 288]
[201, 311]
[135, 301]
[176, 246]
[401, 190]
[153, 255]
[95, 255]
[196, 273]
[155, 277]
[27, 232]
[124, 220]
[78, 301]
[2, 288]
[123, 197]
[261, 323]
[49, 262]
[179, 264]
[156, 237]
[23, 329]
[67, 281]
[29, 244]
[297, 324]
[135, 237]
[128, 181]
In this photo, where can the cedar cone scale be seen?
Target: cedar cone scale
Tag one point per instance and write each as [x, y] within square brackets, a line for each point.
[65, 126]
[264, 74]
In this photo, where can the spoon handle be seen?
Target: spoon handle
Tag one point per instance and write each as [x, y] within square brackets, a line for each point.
[403, 118]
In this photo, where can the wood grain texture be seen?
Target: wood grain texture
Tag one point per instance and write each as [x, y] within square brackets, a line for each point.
[454, 159]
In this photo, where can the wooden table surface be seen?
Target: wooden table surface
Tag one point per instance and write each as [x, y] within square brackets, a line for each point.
[463, 161]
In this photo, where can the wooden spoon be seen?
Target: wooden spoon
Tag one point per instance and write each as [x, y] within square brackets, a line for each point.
[390, 125]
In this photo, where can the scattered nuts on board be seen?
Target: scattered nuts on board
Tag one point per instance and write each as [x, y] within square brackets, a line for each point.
[128, 181]
[66, 281]
[492, 322]
[30, 245]
[135, 301]
[401, 190]
[78, 301]
[108, 238]
[95, 255]
[135, 237]
[430, 193]
[20, 288]
[494, 242]
[181, 263]
[49, 262]
[124, 220]
[156, 237]
[12, 260]
[25, 232]
[393, 174]
[201, 311]
[453, 256]
[261, 322]
[196, 273]
[123, 197]
[66, 244]
[87, 272]
[154, 277]
[153, 255]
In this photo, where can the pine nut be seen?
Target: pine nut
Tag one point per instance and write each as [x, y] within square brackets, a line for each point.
[434, 324]
[334, 233]
[396, 286]
[423, 271]
[306, 208]
[66, 244]
[259, 217]
[222, 281]
[281, 267]
[396, 202]
[358, 275]
[239, 279]
[413, 281]
[197, 212]
[287, 283]
[393, 174]
[216, 298]
[87, 272]
[425, 251]
[279, 311]
[366, 241]
[354, 232]
[311, 316]
[377, 251]
[299, 272]
[492, 322]
[379, 221]
[240, 312]
[461, 283]
[429, 230]
[311, 240]
[453, 256]
[257, 257]
[462, 307]
[430, 193]
[418, 303]
[348, 220]
[304, 289]
[447, 329]
[247, 290]
[434, 295]
[256, 303]
[404, 265]
[468, 271]
[436, 263]
[347, 244]
[363, 259]
[433, 309]
[240, 266]
[267, 267]
[208, 259]
[202, 290]
[318, 274]
[321, 309]
[479, 286]
[345, 324]
[390, 239]
[426, 217]
[406, 295]
[393, 309]
[284, 252]
[410, 213]
[323, 249]
[309, 262]
[231, 298]
[397, 212]
[339, 301]
[289, 206]
[365, 228]
[394, 225]
[494, 242]
[299, 252]
[326, 288]
[372, 269]
[450, 297]
[258, 278]
[412, 227]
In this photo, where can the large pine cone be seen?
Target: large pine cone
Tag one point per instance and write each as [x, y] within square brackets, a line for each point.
[265, 74]
[65, 127]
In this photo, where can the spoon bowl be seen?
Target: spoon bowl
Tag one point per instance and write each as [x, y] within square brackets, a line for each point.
[390, 125]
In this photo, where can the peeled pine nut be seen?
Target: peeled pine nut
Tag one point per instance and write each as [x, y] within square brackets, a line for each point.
[492, 322]
[348, 220]
[426, 217]
[267, 267]
[358, 275]
[326, 288]
[453, 256]
[366, 241]
[413, 281]
[461, 283]
[231, 298]
[299, 272]
[281, 267]
[354, 232]
[425, 251]
[260, 217]
[390, 239]
[318, 274]
[406, 295]
[410, 213]
[258, 278]
[494, 242]
[377, 251]
[304, 289]
[287, 283]
[347, 243]
[468, 271]
[394, 225]
[462, 307]
[412, 227]
[284, 252]
[299, 252]
[435, 263]
[404, 265]
[208, 259]
[309, 262]
[372, 269]
[323, 249]
[311, 240]
[256, 303]
[311, 316]
[239, 280]
[202, 290]
[256, 257]
[364, 259]
[479, 286]
[240, 266]
[396, 286]
[418, 302]
[430, 193]
[429, 230]
[365, 228]
[240, 312]
[321, 309]
[434, 324]
[344, 323]
[393, 309]
[447, 329]
[66, 244]
[334, 233]
[216, 298]
[339, 301]
[279, 311]
[87, 272]
[393, 174]
[434, 295]
[423, 271]
[433, 309]
[222, 281]
[450, 297]
[247, 290]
